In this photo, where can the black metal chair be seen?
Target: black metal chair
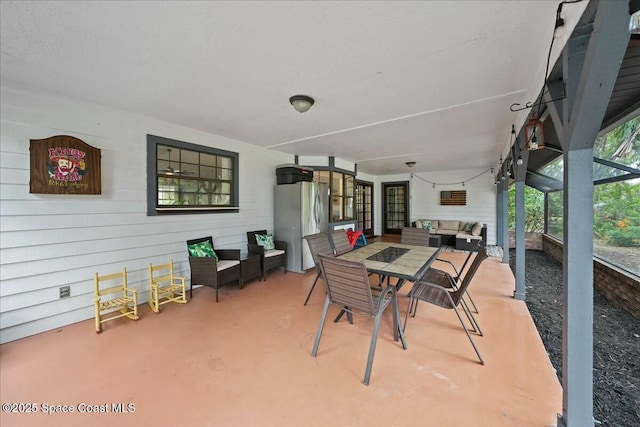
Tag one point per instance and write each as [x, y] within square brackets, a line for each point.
[211, 271]
[348, 288]
[269, 258]
[435, 289]
[318, 245]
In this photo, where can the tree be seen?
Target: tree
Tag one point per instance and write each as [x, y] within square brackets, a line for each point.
[533, 209]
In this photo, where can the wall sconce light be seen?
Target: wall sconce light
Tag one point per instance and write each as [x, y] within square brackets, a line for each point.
[534, 134]
[520, 161]
[301, 103]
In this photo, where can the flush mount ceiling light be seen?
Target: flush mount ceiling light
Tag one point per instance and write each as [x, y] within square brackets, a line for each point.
[301, 103]
[410, 164]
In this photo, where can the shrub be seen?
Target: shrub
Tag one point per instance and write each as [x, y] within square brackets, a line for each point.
[626, 236]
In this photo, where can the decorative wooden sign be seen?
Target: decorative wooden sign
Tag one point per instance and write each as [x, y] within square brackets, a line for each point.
[453, 198]
[64, 164]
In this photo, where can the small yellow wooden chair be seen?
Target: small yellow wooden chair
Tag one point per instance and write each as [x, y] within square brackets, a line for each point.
[165, 287]
[126, 303]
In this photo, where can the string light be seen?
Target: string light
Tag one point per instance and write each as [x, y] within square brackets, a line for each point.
[490, 170]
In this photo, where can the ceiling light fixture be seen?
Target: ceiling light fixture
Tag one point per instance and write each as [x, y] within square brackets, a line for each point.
[410, 164]
[301, 103]
[534, 134]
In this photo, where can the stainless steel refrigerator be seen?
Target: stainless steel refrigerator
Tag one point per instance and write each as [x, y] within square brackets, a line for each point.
[300, 209]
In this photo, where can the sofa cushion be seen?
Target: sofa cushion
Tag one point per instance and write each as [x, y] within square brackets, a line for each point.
[448, 225]
[465, 236]
[477, 229]
[418, 223]
[426, 224]
[467, 226]
[447, 232]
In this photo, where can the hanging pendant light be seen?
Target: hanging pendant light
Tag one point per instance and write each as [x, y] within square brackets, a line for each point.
[534, 134]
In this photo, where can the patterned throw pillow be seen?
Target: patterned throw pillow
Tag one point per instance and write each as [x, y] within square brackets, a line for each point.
[426, 225]
[477, 229]
[468, 227]
[202, 249]
[266, 241]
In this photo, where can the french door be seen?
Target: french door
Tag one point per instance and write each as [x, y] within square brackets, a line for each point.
[395, 213]
[364, 207]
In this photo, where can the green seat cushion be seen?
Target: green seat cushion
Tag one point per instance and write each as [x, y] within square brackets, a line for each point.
[202, 249]
[266, 241]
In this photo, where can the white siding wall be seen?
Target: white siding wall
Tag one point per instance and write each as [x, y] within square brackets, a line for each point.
[481, 198]
[49, 241]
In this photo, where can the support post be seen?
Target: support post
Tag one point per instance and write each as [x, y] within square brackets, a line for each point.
[521, 288]
[499, 218]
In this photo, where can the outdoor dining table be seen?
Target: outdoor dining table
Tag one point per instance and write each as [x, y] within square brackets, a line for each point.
[395, 260]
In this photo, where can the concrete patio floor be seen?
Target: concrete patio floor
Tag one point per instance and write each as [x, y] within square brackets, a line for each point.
[246, 361]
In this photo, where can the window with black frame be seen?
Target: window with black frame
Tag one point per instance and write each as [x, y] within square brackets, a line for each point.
[342, 193]
[190, 178]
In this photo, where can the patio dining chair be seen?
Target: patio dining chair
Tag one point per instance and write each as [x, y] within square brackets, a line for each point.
[430, 289]
[318, 245]
[457, 278]
[340, 242]
[348, 288]
[414, 236]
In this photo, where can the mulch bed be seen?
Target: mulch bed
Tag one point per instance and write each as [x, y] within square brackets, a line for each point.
[616, 341]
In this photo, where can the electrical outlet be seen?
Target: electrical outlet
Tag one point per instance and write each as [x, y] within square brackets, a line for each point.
[65, 291]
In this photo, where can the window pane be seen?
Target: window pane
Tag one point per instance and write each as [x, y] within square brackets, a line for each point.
[621, 145]
[348, 208]
[554, 214]
[336, 208]
[187, 156]
[616, 224]
[225, 174]
[207, 159]
[336, 183]
[207, 172]
[321, 176]
[191, 177]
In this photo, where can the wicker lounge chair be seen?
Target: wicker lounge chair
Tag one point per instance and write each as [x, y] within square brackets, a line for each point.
[211, 271]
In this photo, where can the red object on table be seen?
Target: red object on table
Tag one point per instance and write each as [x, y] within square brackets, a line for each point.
[353, 236]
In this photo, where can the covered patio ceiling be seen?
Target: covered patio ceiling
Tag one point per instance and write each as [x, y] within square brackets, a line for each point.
[623, 105]
[429, 82]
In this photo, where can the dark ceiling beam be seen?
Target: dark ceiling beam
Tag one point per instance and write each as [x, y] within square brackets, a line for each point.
[615, 165]
[618, 178]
